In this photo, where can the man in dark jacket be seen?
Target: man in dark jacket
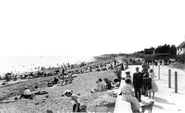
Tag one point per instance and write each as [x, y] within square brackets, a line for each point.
[137, 83]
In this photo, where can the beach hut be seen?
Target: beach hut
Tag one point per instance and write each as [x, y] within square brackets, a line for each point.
[181, 48]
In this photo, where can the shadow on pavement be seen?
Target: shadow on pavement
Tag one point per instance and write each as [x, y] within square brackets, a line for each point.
[156, 106]
[162, 100]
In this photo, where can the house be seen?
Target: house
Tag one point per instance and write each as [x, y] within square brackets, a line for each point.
[149, 51]
[181, 48]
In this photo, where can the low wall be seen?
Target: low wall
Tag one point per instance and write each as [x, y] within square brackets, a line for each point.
[121, 105]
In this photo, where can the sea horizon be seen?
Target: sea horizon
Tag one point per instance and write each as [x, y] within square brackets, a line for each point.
[19, 64]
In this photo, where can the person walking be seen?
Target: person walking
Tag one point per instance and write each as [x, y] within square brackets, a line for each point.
[153, 83]
[137, 83]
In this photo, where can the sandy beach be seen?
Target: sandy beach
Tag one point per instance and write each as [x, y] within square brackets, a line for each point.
[166, 100]
[82, 85]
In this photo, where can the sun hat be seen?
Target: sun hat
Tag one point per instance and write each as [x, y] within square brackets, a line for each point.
[67, 91]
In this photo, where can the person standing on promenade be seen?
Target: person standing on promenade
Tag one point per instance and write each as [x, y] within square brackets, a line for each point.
[145, 78]
[153, 83]
[145, 67]
[137, 83]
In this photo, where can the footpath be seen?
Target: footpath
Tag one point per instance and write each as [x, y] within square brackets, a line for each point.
[165, 100]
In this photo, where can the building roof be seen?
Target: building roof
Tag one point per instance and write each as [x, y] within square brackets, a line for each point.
[182, 45]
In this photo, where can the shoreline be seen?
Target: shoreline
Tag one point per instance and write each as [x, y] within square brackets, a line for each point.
[29, 64]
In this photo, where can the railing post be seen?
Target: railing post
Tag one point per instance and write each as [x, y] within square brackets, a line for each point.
[176, 82]
[158, 72]
[153, 65]
[169, 78]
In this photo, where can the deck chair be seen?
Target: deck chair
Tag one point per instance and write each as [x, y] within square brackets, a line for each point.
[101, 109]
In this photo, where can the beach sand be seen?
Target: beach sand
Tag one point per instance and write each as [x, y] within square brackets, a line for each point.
[166, 101]
[82, 84]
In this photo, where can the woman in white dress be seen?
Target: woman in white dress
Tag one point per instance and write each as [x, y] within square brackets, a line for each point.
[153, 83]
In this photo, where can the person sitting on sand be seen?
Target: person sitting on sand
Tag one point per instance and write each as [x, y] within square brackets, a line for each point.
[116, 83]
[61, 82]
[83, 108]
[108, 83]
[100, 86]
[75, 98]
[118, 74]
[39, 92]
[128, 95]
[27, 94]
[55, 80]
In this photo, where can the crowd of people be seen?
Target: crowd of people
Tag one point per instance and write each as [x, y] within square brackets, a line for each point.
[143, 83]
[105, 85]
[65, 76]
[28, 94]
[101, 86]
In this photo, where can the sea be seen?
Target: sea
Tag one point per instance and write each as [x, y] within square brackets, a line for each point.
[20, 64]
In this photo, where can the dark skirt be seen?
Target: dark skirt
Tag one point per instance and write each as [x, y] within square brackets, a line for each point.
[74, 108]
[26, 96]
[41, 93]
[147, 84]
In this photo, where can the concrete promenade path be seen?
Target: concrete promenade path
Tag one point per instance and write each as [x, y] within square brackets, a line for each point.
[166, 100]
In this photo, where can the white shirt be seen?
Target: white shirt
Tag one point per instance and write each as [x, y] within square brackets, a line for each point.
[37, 90]
[101, 86]
[27, 92]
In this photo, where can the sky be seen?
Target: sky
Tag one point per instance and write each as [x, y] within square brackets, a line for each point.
[88, 27]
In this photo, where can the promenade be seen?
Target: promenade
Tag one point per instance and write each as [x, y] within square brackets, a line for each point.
[166, 100]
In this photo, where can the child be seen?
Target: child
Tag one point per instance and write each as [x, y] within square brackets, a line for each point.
[153, 83]
[74, 97]
[83, 108]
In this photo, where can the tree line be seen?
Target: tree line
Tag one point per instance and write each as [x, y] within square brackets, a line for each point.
[164, 52]
[161, 49]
